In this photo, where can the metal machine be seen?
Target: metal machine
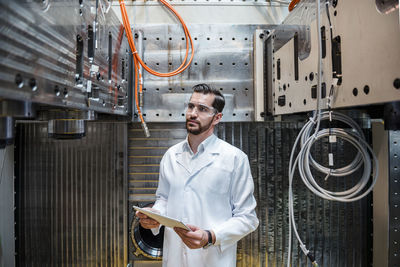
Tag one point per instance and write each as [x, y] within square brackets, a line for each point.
[74, 156]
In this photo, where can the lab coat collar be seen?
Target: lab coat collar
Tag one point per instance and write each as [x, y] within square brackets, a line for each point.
[208, 150]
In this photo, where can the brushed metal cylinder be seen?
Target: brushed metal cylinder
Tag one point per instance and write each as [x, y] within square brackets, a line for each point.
[67, 128]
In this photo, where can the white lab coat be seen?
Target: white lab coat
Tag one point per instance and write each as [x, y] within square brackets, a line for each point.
[213, 190]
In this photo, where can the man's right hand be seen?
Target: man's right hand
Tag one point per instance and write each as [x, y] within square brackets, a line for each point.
[147, 222]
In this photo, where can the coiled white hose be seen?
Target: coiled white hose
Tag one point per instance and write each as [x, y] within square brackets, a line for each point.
[304, 160]
[363, 158]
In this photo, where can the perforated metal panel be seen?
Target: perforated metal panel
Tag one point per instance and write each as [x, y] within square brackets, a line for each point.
[223, 58]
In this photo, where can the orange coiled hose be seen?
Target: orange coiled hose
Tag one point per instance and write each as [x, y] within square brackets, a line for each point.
[138, 61]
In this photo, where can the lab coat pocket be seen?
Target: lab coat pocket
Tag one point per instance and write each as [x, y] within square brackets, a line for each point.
[217, 180]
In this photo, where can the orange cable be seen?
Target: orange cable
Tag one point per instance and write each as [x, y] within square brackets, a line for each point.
[293, 4]
[188, 38]
[138, 61]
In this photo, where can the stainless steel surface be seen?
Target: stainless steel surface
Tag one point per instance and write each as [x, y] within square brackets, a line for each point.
[223, 58]
[7, 131]
[55, 113]
[367, 48]
[229, 12]
[259, 72]
[7, 203]
[339, 234]
[72, 197]
[381, 197]
[17, 109]
[394, 198]
[59, 53]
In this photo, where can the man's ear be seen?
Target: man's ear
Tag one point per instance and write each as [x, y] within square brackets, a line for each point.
[217, 119]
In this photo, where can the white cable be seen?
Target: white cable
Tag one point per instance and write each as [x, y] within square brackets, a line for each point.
[303, 161]
[315, 117]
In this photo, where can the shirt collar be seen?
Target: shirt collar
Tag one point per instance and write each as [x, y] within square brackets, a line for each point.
[207, 145]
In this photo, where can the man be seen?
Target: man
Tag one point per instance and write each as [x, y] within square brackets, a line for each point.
[205, 183]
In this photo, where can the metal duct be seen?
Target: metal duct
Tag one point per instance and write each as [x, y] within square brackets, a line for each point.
[71, 197]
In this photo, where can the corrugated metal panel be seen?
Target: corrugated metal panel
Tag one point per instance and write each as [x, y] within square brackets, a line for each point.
[71, 197]
[145, 155]
[339, 234]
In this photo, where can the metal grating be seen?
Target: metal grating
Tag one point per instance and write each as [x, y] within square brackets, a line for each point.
[339, 234]
[71, 197]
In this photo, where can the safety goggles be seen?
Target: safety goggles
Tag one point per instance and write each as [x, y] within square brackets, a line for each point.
[201, 109]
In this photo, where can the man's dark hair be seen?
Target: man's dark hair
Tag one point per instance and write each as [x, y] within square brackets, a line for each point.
[219, 100]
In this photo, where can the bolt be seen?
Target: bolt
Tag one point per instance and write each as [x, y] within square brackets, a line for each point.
[261, 36]
[56, 90]
[19, 80]
[32, 84]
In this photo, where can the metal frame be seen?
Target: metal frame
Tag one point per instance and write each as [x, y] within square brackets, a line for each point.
[394, 198]
[381, 197]
[7, 207]
[258, 61]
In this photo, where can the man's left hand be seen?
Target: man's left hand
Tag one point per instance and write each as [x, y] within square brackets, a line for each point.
[197, 238]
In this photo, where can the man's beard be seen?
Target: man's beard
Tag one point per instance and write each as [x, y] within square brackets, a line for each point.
[201, 128]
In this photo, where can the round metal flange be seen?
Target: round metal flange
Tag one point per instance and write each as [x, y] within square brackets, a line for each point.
[147, 244]
[66, 128]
